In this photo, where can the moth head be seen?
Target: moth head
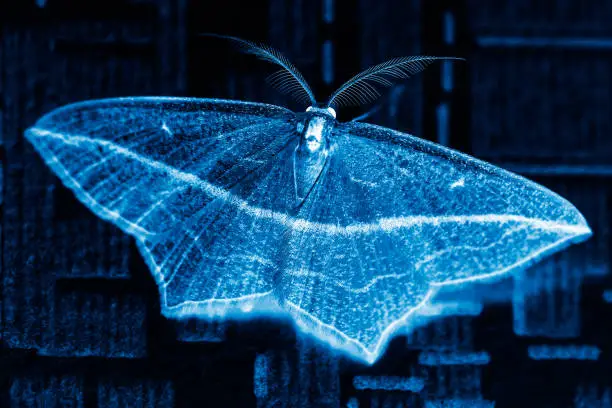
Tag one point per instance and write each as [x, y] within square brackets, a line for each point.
[327, 115]
[325, 111]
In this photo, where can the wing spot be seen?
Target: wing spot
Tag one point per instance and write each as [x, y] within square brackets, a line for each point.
[166, 129]
[458, 183]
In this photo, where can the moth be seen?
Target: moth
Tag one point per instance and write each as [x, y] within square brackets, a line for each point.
[243, 208]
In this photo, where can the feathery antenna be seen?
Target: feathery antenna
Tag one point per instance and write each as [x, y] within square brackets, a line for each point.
[287, 80]
[362, 88]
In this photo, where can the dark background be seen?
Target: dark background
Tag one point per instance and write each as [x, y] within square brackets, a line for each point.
[80, 322]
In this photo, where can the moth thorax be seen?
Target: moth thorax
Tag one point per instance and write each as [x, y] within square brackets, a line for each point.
[314, 133]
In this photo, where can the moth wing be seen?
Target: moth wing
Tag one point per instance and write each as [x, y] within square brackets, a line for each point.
[187, 178]
[393, 216]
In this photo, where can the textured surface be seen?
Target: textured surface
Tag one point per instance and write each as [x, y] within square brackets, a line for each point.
[207, 188]
[80, 319]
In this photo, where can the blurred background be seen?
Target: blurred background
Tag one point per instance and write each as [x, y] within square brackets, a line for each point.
[80, 322]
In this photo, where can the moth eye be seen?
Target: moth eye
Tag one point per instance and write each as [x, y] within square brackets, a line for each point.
[299, 127]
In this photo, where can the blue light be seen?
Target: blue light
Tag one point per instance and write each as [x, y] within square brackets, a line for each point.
[447, 76]
[563, 352]
[260, 378]
[208, 189]
[546, 42]
[328, 11]
[459, 403]
[388, 383]
[430, 358]
[352, 403]
[449, 28]
[328, 62]
[443, 129]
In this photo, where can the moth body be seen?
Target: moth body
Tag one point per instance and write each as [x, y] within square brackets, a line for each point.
[310, 155]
